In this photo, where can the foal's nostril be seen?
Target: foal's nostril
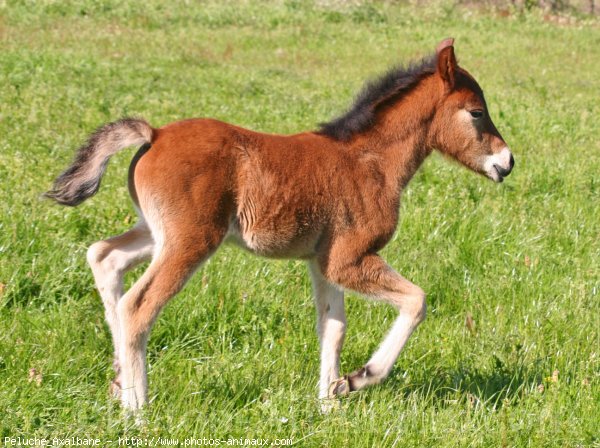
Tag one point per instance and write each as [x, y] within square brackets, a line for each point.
[511, 162]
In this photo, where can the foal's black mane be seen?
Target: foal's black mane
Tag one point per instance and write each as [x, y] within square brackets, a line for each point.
[374, 94]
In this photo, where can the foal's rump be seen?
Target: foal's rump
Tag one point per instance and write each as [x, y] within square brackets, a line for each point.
[184, 181]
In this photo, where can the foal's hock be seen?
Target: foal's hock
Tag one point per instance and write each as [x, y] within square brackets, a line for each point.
[330, 197]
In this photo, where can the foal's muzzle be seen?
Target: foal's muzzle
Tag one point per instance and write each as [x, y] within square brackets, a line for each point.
[499, 165]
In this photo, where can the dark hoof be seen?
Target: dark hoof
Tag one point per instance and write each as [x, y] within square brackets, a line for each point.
[339, 388]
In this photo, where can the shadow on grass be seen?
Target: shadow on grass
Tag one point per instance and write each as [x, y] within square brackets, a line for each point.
[486, 385]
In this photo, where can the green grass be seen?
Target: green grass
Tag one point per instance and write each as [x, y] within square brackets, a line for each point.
[235, 354]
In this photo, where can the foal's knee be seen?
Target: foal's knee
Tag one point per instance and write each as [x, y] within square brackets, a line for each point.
[410, 302]
[96, 253]
[415, 305]
[102, 260]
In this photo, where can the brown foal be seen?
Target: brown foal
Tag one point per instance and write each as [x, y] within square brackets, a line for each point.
[330, 197]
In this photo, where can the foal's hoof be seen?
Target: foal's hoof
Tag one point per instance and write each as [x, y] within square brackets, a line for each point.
[339, 387]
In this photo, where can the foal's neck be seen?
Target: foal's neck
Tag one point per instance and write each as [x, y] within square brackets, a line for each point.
[400, 138]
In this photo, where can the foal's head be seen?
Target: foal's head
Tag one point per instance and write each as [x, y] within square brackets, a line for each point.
[461, 126]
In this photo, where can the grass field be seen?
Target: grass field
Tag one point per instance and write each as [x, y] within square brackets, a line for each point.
[236, 354]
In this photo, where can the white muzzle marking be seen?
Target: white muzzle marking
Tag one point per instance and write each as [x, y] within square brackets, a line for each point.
[498, 165]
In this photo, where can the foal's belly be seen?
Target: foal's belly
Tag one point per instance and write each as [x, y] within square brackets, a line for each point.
[285, 242]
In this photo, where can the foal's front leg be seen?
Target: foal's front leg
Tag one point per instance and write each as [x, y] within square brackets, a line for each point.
[331, 327]
[371, 276]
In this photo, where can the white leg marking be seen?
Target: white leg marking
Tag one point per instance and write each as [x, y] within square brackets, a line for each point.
[134, 378]
[412, 313]
[331, 327]
[383, 359]
[132, 347]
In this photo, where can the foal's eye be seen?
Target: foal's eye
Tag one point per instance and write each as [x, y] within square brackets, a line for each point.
[478, 113]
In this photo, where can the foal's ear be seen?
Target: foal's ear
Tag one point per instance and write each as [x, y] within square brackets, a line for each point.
[446, 61]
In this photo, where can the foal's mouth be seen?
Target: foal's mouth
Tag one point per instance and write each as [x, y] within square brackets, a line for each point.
[497, 177]
[500, 174]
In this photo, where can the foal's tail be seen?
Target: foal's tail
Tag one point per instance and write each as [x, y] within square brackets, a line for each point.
[82, 179]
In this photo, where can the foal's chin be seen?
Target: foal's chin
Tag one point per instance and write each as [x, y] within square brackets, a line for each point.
[494, 176]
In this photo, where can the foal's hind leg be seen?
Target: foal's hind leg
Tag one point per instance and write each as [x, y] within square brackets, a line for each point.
[371, 276]
[139, 307]
[110, 260]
